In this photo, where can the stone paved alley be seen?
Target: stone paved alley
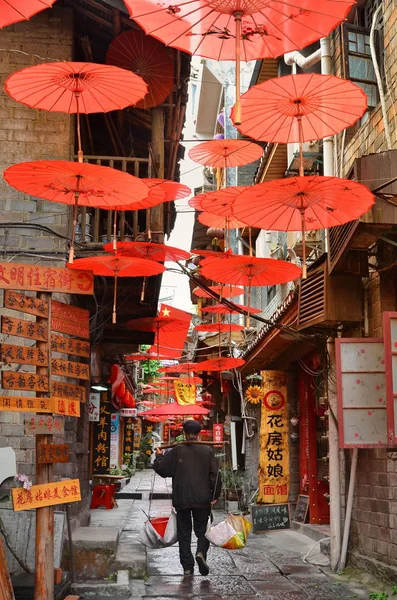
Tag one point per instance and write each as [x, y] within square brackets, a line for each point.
[271, 567]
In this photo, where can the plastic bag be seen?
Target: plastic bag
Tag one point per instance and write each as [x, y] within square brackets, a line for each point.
[240, 524]
[152, 539]
[232, 533]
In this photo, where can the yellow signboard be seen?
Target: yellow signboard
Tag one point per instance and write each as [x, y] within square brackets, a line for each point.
[185, 393]
[46, 494]
[274, 475]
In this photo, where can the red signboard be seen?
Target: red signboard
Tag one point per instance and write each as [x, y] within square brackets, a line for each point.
[16, 276]
[69, 319]
[217, 434]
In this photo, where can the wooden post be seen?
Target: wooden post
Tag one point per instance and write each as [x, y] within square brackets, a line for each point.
[44, 569]
[6, 590]
[157, 212]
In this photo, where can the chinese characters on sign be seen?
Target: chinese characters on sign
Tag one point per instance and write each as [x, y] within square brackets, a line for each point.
[26, 304]
[274, 440]
[13, 380]
[93, 407]
[53, 453]
[101, 436]
[45, 279]
[68, 391]
[68, 368]
[23, 355]
[69, 319]
[137, 434]
[217, 434]
[65, 345]
[270, 516]
[114, 440]
[70, 408]
[128, 446]
[26, 329]
[25, 404]
[46, 494]
[42, 425]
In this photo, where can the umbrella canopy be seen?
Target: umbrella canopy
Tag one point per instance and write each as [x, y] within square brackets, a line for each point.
[249, 270]
[300, 108]
[210, 220]
[219, 327]
[226, 291]
[148, 58]
[75, 87]
[80, 184]
[13, 11]
[149, 250]
[142, 357]
[181, 368]
[221, 309]
[166, 324]
[225, 153]
[300, 203]
[221, 364]
[211, 253]
[235, 29]
[219, 202]
[173, 189]
[118, 266]
[175, 409]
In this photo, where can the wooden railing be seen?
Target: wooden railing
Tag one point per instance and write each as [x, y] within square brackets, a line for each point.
[338, 241]
[95, 226]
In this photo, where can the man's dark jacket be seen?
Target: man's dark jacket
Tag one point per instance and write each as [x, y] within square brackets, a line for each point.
[196, 480]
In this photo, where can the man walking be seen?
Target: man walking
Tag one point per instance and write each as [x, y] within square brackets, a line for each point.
[196, 484]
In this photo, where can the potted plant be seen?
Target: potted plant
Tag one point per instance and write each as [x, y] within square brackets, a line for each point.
[232, 481]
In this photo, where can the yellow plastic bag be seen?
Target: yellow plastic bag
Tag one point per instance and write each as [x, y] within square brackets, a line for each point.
[241, 525]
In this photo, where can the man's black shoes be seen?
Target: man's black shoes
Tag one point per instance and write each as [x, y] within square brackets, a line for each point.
[202, 565]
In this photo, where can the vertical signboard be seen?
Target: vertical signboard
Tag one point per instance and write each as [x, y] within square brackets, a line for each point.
[128, 444]
[361, 390]
[93, 407]
[217, 434]
[274, 440]
[114, 440]
[390, 333]
[101, 436]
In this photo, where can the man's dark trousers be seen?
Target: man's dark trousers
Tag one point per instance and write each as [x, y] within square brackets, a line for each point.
[184, 525]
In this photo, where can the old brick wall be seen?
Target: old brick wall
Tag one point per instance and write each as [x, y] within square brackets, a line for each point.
[27, 134]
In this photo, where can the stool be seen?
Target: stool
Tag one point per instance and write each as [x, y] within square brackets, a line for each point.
[103, 495]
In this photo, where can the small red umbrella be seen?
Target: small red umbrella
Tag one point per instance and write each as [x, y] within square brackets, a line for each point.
[75, 87]
[181, 368]
[118, 266]
[150, 251]
[226, 291]
[175, 409]
[78, 184]
[219, 202]
[148, 58]
[13, 11]
[225, 153]
[221, 364]
[221, 309]
[210, 220]
[219, 327]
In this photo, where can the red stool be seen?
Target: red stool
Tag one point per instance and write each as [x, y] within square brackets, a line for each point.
[103, 495]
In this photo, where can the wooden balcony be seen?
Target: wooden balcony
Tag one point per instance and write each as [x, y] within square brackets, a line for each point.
[348, 244]
[95, 226]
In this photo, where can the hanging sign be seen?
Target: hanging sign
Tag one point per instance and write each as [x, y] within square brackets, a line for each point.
[128, 412]
[217, 434]
[67, 345]
[274, 441]
[15, 380]
[46, 494]
[69, 408]
[44, 425]
[101, 436]
[68, 391]
[138, 434]
[26, 304]
[26, 329]
[23, 355]
[53, 453]
[114, 439]
[69, 319]
[128, 445]
[25, 404]
[361, 391]
[185, 393]
[68, 368]
[93, 407]
[15, 276]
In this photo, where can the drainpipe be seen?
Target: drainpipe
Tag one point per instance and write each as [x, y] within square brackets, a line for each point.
[304, 62]
[328, 143]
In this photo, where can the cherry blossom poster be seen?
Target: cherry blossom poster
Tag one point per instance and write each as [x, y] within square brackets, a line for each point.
[361, 390]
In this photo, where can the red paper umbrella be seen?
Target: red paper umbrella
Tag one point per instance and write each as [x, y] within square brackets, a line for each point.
[226, 291]
[221, 309]
[150, 251]
[300, 108]
[181, 368]
[210, 220]
[221, 364]
[225, 153]
[142, 357]
[175, 409]
[300, 203]
[79, 184]
[220, 202]
[157, 324]
[12, 11]
[249, 270]
[235, 29]
[146, 57]
[173, 189]
[211, 253]
[219, 327]
[118, 266]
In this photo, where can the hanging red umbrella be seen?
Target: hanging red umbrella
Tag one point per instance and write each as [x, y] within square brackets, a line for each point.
[301, 203]
[118, 266]
[221, 309]
[221, 364]
[225, 153]
[148, 58]
[219, 202]
[211, 253]
[181, 368]
[150, 251]
[175, 409]
[173, 189]
[13, 11]
[210, 220]
[219, 327]
[231, 29]
[158, 324]
[143, 357]
[78, 184]
[226, 291]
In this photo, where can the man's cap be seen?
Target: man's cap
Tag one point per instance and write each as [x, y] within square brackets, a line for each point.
[192, 427]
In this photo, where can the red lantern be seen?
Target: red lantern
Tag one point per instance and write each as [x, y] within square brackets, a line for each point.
[114, 371]
[121, 390]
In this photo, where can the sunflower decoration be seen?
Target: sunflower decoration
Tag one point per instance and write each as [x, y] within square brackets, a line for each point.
[254, 394]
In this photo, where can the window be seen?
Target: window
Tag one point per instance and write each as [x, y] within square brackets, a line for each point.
[358, 62]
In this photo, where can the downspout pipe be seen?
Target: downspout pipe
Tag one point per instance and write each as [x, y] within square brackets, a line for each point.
[304, 62]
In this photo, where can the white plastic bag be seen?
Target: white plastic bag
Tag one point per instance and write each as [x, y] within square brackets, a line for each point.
[150, 538]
